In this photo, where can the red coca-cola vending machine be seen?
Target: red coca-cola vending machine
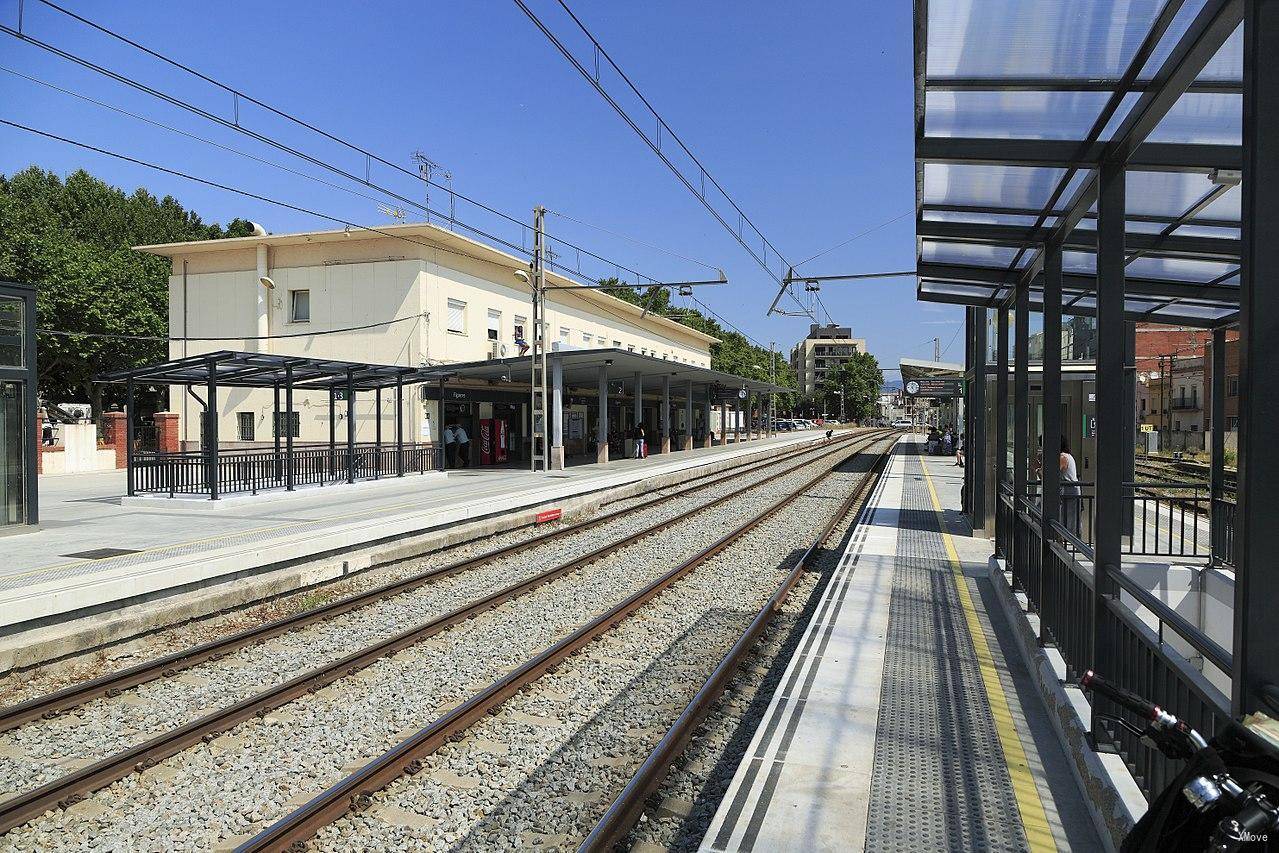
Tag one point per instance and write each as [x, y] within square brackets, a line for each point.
[500, 436]
[487, 430]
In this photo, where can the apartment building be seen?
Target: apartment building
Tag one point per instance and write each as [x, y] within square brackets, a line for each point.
[826, 347]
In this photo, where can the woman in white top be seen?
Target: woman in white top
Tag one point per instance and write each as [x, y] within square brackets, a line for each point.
[1070, 490]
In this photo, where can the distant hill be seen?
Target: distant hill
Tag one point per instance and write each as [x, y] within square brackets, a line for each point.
[892, 385]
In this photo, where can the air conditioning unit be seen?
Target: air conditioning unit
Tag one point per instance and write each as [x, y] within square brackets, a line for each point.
[497, 350]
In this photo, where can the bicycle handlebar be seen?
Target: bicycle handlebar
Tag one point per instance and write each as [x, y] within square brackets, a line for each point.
[1139, 706]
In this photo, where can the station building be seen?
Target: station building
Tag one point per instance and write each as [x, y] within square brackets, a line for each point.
[412, 295]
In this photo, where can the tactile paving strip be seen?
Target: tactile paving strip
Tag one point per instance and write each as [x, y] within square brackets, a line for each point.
[940, 781]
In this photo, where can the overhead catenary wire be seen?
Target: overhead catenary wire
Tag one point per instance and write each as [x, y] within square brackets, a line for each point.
[656, 147]
[239, 125]
[635, 240]
[855, 237]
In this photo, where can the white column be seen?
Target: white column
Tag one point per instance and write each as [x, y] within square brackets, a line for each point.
[557, 414]
[601, 425]
[666, 413]
[688, 416]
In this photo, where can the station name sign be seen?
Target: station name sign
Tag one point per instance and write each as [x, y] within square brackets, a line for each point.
[934, 388]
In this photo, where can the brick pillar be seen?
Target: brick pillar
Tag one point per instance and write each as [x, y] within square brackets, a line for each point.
[114, 434]
[166, 432]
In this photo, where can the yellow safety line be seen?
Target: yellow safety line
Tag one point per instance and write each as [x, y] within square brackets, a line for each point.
[1033, 817]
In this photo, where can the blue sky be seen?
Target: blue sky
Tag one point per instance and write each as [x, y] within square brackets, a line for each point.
[802, 112]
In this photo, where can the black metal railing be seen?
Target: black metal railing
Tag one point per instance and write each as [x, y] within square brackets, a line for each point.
[253, 470]
[1164, 519]
[1141, 636]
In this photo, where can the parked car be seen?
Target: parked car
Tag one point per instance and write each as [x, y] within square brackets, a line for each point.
[903, 423]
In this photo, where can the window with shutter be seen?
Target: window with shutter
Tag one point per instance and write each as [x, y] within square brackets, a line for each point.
[457, 316]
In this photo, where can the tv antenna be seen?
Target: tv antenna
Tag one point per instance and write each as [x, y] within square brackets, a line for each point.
[428, 169]
[396, 213]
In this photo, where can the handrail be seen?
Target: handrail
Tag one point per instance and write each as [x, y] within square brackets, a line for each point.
[1202, 643]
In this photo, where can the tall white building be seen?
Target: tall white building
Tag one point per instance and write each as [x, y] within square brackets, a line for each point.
[825, 347]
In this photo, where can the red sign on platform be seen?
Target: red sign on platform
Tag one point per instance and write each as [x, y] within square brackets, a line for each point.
[549, 515]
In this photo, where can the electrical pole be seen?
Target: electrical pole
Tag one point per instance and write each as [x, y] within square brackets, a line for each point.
[537, 365]
[772, 377]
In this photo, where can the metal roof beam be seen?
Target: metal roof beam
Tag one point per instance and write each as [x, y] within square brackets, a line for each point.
[1067, 84]
[1065, 153]
[1200, 248]
[1086, 283]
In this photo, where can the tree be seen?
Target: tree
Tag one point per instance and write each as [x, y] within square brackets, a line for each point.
[733, 354]
[72, 241]
[859, 378]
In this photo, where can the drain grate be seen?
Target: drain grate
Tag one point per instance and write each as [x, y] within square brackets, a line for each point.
[102, 553]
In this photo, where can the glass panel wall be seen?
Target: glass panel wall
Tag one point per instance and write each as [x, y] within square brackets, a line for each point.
[12, 460]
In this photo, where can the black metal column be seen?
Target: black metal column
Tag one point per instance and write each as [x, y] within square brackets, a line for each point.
[289, 475]
[1050, 487]
[1111, 416]
[399, 426]
[211, 430]
[1217, 451]
[1021, 418]
[1256, 642]
[377, 433]
[1130, 423]
[275, 427]
[442, 448]
[333, 430]
[128, 437]
[975, 441]
[1001, 425]
[350, 425]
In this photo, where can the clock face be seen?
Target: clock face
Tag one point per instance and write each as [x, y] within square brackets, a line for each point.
[912, 387]
[742, 394]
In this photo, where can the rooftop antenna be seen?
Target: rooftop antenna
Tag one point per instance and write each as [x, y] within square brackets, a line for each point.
[428, 168]
[396, 213]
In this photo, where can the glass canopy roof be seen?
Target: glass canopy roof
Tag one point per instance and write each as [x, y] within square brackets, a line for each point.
[1018, 102]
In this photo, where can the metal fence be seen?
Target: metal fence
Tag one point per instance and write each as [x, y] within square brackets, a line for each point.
[258, 469]
[1138, 635]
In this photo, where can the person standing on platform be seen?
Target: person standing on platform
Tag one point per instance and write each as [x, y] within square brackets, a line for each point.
[1070, 491]
[450, 447]
[639, 441]
[463, 447]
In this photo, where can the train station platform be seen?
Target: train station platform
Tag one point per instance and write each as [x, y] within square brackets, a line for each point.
[907, 719]
[100, 569]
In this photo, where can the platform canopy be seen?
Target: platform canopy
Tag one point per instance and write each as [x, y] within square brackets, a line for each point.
[1017, 102]
[581, 368]
[915, 368]
[264, 370]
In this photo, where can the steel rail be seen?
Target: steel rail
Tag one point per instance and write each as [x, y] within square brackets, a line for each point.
[73, 787]
[355, 791]
[629, 805]
[112, 684]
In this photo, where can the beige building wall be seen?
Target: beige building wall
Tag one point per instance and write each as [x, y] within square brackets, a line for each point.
[810, 362]
[366, 279]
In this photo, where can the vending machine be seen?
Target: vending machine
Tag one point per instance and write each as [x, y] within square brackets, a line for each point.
[500, 440]
[487, 446]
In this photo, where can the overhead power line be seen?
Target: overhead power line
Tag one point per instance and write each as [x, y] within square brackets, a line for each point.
[238, 123]
[119, 337]
[746, 233]
[856, 236]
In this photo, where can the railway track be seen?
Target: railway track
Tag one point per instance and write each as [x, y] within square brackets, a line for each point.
[67, 790]
[346, 801]
[49, 705]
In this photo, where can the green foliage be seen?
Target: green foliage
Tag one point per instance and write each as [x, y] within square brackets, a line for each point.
[72, 241]
[860, 379]
[734, 353]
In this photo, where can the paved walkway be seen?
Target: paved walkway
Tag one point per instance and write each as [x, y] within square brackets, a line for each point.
[41, 575]
[907, 720]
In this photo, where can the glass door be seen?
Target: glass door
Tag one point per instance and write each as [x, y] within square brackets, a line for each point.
[12, 448]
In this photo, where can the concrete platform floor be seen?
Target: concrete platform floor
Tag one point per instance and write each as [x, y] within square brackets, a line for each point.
[907, 720]
[40, 576]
